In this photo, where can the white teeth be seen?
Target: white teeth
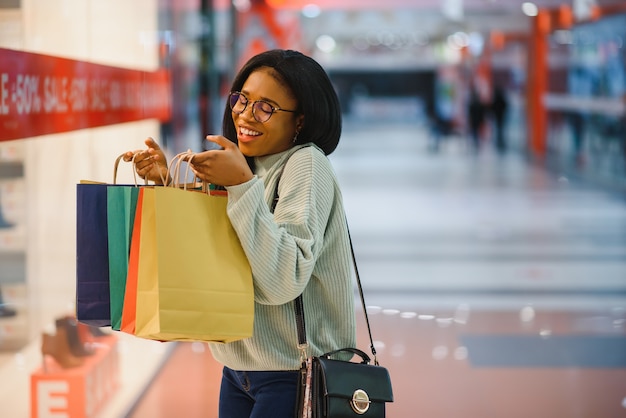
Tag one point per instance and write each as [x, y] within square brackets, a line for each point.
[249, 132]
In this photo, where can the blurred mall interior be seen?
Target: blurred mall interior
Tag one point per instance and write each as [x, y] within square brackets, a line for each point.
[492, 250]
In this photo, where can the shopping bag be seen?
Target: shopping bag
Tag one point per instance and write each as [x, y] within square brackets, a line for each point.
[129, 305]
[194, 282]
[92, 255]
[92, 251]
[121, 204]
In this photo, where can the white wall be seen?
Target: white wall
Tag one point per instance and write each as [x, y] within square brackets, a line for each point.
[43, 204]
[113, 32]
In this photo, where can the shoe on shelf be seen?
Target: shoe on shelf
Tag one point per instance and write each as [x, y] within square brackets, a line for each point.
[97, 332]
[78, 346]
[57, 347]
[4, 224]
[6, 312]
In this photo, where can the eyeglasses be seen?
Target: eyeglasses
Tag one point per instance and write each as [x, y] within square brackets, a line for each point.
[261, 110]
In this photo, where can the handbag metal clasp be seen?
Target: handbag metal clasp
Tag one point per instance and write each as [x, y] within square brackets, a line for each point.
[360, 402]
[303, 355]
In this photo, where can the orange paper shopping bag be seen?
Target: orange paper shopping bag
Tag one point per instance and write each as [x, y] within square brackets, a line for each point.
[130, 295]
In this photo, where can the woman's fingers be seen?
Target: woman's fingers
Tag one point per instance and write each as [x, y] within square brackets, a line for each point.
[217, 142]
[149, 163]
[225, 167]
[151, 143]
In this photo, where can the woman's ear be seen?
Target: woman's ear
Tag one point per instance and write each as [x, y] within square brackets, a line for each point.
[299, 122]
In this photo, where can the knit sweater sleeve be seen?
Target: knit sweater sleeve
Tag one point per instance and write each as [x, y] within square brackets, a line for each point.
[283, 247]
[300, 248]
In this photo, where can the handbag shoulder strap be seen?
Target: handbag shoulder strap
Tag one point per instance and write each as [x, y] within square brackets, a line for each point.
[361, 294]
[299, 305]
[299, 310]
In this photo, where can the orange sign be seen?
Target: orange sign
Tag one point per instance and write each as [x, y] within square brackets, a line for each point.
[79, 392]
[41, 94]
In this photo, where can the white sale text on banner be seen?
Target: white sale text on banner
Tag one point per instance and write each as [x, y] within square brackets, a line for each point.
[41, 94]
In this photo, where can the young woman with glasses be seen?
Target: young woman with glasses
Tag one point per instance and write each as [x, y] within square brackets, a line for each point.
[281, 120]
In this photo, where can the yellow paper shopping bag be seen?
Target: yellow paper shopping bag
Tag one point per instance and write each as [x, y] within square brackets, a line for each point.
[194, 282]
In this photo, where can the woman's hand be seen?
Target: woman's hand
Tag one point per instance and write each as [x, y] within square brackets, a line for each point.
[225, 167]
[150, 163]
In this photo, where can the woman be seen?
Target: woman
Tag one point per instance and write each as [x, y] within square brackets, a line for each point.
[281, 120]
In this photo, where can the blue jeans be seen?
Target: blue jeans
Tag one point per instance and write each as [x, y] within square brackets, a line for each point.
[270, 394]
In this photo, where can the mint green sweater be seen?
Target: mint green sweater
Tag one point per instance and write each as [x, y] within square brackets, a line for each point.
[302, 248]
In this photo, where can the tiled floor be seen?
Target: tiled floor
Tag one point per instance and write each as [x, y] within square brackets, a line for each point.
[495, 288]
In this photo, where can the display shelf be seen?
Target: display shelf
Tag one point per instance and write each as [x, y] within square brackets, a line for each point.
[78, 392]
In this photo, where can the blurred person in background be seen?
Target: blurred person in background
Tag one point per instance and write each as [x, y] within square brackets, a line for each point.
[476, 115]
[577, 124]
[5, 310]
[499, 107]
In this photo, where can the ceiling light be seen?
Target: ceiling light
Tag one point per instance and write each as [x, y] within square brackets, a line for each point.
[242, 6]
[476, 43]
[530, 9]
[311, 11]
[458, 40]
[326, 43]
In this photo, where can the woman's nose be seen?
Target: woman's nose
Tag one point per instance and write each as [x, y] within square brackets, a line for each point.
[248, 111]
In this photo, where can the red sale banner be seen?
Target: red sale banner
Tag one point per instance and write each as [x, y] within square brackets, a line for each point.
[41, 94]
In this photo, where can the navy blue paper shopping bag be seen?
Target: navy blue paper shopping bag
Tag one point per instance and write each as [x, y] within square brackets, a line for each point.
[92, 255]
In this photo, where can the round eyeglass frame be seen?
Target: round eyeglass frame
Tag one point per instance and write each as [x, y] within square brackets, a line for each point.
[234, 98]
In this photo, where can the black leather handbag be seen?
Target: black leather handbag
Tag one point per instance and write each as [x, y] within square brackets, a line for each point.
[331, 388]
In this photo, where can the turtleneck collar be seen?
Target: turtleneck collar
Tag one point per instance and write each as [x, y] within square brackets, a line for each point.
[265, 163]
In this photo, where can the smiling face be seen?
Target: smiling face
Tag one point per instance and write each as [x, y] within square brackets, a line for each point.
[258, 139]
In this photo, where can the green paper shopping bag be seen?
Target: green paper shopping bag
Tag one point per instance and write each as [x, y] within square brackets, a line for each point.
[121, 205]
